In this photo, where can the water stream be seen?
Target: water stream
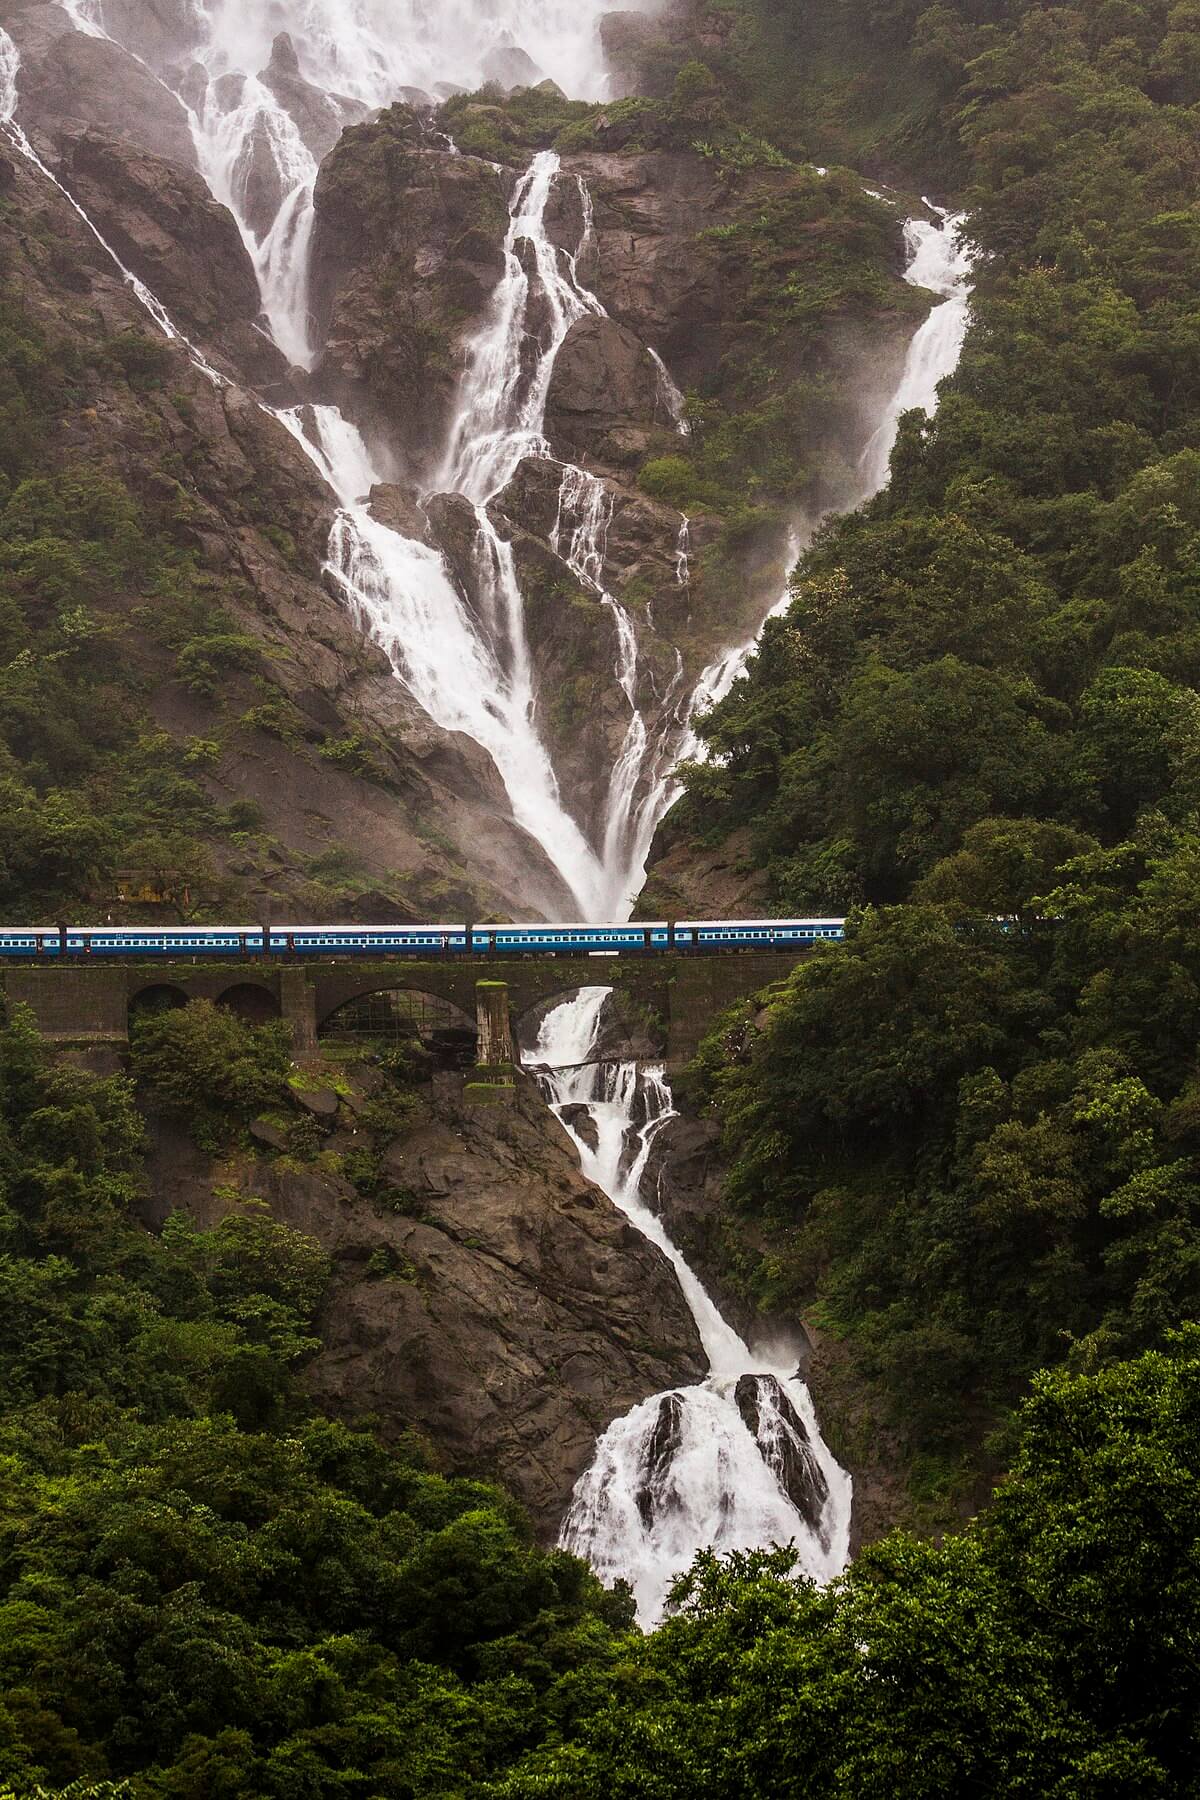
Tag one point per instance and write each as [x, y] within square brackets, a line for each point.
[738, 1460]
[735, 1462]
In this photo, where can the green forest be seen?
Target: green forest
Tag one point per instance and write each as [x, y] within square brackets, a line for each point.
[966, 1143]
[208, 1590]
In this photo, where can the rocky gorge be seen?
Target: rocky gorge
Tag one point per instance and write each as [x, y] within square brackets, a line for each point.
[688, 262]
[583, 386]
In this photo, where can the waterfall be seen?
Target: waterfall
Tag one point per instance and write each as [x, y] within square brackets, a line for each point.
[10, 66]
[737, 1462]
[671, 396]
[402, 593]
[683, 554]
[938, 259]
[233, 146]
[502, 415]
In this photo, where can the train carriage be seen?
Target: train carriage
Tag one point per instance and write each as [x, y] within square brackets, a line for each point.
[27, 942]
[164, 941]
[570, 940]
[756, 934]
[369, 940]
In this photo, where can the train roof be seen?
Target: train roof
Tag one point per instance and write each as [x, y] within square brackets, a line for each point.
[159, 930]
[595, 925]
[758, 924]
[357, 930]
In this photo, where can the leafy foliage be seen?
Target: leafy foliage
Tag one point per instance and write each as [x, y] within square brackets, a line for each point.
[1044, 1652]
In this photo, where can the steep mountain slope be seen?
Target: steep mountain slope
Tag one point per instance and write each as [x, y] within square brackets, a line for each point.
[523, 763]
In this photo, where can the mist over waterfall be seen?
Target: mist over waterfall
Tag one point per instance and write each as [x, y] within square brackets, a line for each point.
[736, 1463]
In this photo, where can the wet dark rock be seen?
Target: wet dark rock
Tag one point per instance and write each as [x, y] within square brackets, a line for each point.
[320, 118]
[84, 81]
[579, 1120]
[407, 251]
[400, 509]
[784, 1443]
[530, 1315]
[662, 1446]
[164, 225]
[263, 1131]
[603, 401]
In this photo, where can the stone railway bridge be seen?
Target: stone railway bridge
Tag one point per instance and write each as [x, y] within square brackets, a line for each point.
[88, 1005]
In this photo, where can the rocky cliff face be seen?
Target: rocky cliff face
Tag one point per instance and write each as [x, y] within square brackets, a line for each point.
[406, 254]
[223, 481]
[488, 1297]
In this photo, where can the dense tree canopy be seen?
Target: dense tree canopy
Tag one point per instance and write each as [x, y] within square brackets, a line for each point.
[971, 1142]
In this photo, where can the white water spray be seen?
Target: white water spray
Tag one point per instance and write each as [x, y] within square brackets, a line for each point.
[939, 260]
[737, 1462]
[671, 396]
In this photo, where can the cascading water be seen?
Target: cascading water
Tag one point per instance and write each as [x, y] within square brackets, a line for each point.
[671, 395]
[739, 1462]
[501, 420]
[735, 1463]
[402, 593]
[940, 260]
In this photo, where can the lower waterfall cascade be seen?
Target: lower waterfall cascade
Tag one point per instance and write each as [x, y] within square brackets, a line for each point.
[737, 1461]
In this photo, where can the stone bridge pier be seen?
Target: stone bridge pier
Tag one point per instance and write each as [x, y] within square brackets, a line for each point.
[88, 1005]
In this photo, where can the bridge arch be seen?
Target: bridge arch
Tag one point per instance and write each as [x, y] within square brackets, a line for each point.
[155, 997]
[633, 1026]
[398, 1015]
[252, 1001]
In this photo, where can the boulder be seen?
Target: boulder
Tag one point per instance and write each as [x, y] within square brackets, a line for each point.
[580, 1120]
[400, 509]
[786, 1448]
[322, 1103]
[662, 1447]
[265, 1131]
[455, 530]
[511, 67]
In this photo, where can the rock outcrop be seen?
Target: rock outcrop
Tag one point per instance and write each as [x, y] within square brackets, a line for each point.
[320, 118]
[603, 405]
[407, 251]
[165, 226]
[78, 81]
[491, 1299]
[786, 1447]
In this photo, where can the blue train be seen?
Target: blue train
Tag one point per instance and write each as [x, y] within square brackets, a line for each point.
[57, 943]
